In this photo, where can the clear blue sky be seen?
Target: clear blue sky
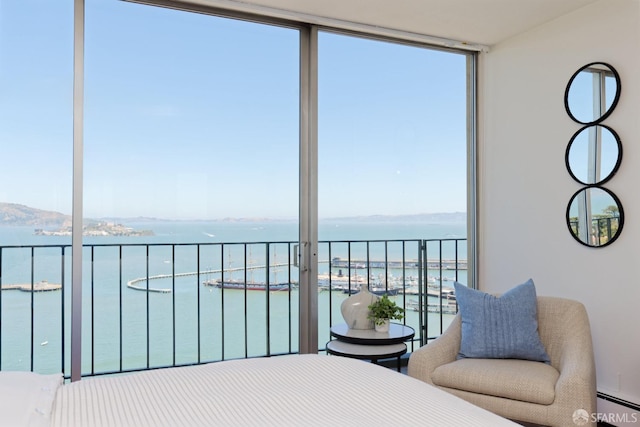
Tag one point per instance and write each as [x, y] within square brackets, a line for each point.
[195, 117]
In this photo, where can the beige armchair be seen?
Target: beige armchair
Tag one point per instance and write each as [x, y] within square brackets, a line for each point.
[560, 394]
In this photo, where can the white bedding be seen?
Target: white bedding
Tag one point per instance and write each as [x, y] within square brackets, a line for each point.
[26, 398]
[299, 390]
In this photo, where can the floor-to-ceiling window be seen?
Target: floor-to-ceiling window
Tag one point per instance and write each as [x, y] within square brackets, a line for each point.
[36, 77]
[192, 145]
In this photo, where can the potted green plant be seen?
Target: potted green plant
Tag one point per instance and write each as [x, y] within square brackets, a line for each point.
[383, 311]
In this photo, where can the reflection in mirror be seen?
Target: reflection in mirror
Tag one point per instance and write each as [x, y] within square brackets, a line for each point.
[594, 154]
[595, 216]
[592, 93]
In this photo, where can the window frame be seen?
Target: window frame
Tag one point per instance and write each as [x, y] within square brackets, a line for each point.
[308, 177]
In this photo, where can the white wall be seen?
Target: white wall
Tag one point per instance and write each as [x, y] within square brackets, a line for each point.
[524, 187]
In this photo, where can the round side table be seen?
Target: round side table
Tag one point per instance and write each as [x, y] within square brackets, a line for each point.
[368, 344]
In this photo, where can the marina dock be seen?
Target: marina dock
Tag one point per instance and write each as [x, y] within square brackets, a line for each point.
[42, 286]
[445, 264]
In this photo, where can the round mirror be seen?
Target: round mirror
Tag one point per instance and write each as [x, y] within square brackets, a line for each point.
[595, 216]
[592, 93]
[594, 154]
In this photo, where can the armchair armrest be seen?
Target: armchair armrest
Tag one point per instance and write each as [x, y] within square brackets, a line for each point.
[576, 386]
[441, 351]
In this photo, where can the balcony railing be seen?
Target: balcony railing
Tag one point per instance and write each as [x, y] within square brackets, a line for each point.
[603, 229]
[148, 306]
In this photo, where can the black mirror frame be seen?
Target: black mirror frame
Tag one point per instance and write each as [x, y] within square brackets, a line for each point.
[620, 218]
[613, 104]
[615, 167]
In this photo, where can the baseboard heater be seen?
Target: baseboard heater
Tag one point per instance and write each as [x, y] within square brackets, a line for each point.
[618, 401]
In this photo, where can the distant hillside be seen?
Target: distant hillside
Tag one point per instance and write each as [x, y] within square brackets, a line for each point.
[13, 214]
[21, 215]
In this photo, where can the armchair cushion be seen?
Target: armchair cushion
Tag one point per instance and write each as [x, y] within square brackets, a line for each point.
[522, 380]
[500, 327]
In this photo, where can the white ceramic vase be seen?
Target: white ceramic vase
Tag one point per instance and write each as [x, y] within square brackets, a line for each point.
[355, 309]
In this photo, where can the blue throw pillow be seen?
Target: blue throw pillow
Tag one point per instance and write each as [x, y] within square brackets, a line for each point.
[504, 327]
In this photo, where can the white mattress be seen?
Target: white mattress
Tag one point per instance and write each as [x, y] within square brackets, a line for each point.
[300, 390]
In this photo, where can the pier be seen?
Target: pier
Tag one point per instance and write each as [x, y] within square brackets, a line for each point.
[133, 283]
[445, 264]
[42, 286]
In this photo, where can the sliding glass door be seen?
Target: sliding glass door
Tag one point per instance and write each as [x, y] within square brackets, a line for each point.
[392, 169]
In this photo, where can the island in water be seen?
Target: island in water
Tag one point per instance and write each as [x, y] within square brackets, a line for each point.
[50, 223]
[96, 229]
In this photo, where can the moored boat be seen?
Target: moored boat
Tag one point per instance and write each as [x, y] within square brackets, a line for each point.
[249, 286]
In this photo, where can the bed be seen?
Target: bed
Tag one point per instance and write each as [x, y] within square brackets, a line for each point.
[296, 390]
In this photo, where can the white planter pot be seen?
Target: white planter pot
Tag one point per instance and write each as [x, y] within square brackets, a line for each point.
[384, 327]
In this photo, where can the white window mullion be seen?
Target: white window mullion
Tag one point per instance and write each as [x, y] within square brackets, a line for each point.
[308, 313]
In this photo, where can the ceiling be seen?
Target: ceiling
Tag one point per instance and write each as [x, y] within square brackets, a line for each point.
[485, 22]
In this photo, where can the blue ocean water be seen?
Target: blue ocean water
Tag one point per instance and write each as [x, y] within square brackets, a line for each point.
[129, 329]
